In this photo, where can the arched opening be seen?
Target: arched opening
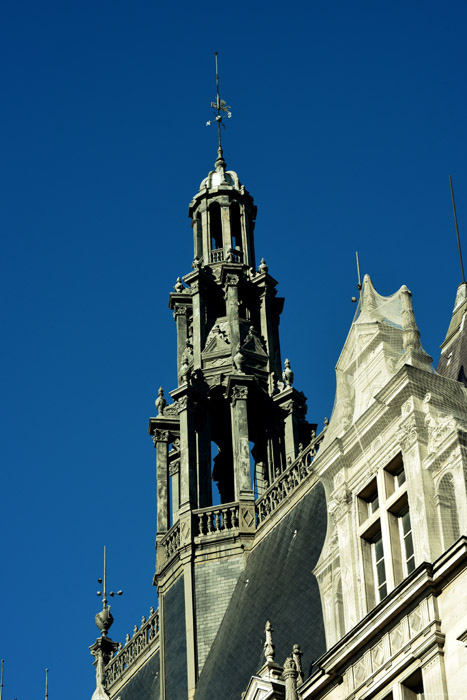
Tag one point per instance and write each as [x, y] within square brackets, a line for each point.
[223, 488]
[198, 236]
[215, 226]
[235, 226]
[448, 510]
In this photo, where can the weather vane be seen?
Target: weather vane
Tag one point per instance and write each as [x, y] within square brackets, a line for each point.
[220, 107]
[104, 619]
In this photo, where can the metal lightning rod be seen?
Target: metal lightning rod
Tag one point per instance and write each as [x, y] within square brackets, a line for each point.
[46, 683]
[359, 284]
[457, 228]
[1, 683]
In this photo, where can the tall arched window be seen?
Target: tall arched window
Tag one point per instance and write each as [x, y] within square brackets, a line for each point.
[215, 226]
[448, 510]
[236, 226]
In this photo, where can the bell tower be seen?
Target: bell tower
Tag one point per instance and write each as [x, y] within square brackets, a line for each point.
[235, 423]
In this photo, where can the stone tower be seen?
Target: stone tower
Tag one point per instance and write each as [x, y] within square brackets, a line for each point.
[236, 421]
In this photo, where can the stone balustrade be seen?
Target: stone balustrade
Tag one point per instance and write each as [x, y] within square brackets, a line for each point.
[216, 520]
[287, 482]
[143, 638]
[232, 255]
[171, 541]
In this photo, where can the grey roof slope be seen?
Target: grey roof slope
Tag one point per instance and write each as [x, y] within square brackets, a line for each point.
[277, 585]
[145, 683]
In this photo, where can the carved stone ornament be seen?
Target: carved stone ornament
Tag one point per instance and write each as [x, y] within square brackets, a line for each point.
[160, 402]
[182, 404]
[439, 425]
[339, 504]
[232, 280]
[160, 436]
[239, 392]
[408, 433]
[179, 310]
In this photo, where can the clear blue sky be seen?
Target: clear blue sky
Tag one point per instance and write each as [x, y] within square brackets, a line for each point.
[347, 119]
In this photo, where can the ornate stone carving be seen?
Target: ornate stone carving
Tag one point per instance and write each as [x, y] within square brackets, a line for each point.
[160, 402]
[239, 360]
[239, 392]
[232, 280]
[160, 436]
[408, 433]
[178, 287]
[179, 310]
[339, 504]
[439, 425]
[262, 266]
[182, 404]
[269, 648]
[287, 374]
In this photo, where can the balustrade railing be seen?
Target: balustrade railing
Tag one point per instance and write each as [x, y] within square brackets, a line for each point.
[214, 520]
[142, 639]
[171, 541]
[287, 482]
[232, 255]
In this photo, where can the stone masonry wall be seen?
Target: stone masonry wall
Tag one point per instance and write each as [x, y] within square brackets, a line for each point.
[214, 585]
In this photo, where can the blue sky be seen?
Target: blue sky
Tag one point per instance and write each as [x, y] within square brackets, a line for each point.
[347, 119]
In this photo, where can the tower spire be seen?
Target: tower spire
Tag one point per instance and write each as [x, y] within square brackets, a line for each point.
[221, 110]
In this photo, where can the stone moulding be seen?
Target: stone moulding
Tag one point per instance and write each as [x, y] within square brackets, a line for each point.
[147, 637]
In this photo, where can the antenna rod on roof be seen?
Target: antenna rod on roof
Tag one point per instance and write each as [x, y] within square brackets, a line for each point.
[457, 229]
[359, 285]
[1, 683]
[46, 683]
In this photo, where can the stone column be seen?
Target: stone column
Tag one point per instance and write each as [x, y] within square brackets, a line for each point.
[290, 677]
[161, 443]
[292, 403]
[420, 487]
[199, 326]
[232, 311]
[240, 443]
[182, 334]
[434, 676]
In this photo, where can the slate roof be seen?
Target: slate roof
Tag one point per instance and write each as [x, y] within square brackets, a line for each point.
[145, 683]
[277, 585]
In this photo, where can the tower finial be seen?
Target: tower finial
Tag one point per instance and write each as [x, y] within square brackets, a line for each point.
[219, 106]
[457, 230]
[104, 618]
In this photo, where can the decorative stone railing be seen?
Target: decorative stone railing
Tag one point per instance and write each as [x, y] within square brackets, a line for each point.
[232, 255]
[287, 482]
[216, 520]
[126, 656]
[171, 541]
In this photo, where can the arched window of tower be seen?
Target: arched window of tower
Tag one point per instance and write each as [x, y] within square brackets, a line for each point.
[215, 226]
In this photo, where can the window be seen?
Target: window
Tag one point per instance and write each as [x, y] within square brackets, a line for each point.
[215, 226]
[368, 501]
[379, 569]
[394, 475]
[405, 531]
[412, 687]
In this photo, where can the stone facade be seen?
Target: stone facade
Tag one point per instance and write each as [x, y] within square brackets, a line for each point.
[351, 543]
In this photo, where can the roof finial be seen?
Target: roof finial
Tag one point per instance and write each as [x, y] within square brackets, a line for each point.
[219, 106]
[1, 683]
[46, 683]
[457, 229]
[104, 619]
[269, 649]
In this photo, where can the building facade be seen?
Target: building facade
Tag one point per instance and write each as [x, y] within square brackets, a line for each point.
[291, 564]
